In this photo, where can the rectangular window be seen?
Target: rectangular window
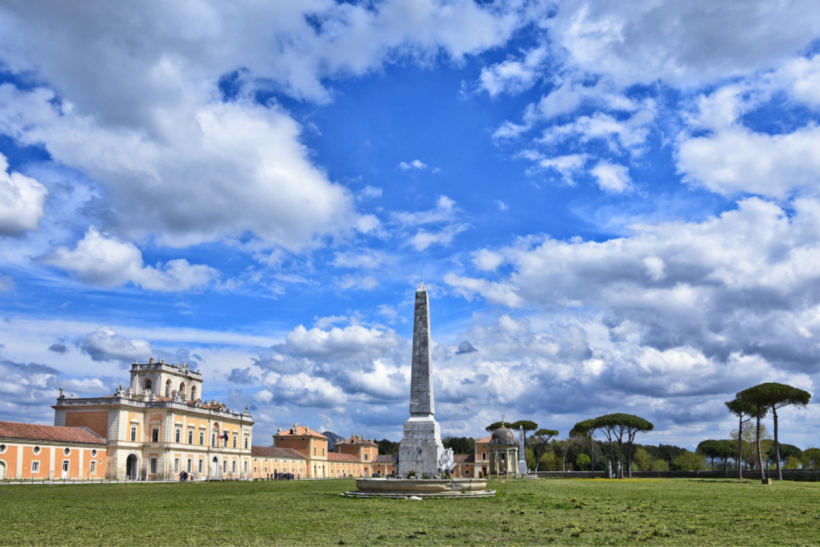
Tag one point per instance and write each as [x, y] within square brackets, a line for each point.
[189, 465]
[234, 441]
[201, 438]
[200, 465]
[213, 439]
[190, 436]
[246, 442]
[233, 467]
[366, 456]
[254, 469]
[133, 433]
[246, 468]
[178, 436]
[176, 466]
[35, 467]
[93, 468]
[155, 435]
[224, 466]
[153, 466]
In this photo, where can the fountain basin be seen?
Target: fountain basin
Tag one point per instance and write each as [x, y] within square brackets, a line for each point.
[423, 488]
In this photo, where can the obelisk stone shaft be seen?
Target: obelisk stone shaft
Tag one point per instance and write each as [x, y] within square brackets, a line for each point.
[421, 381]
[421, 446]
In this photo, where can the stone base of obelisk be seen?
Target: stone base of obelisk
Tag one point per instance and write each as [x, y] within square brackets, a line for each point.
[421, 447]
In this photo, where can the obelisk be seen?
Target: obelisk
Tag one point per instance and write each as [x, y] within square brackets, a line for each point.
[421, 446]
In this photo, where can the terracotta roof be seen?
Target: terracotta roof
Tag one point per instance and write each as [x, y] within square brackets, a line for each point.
[355, 439]
[383, 458]
[276, 452]
[34, 432]
[461, 458]
[300, 431]
[484, 439]
[337, 457]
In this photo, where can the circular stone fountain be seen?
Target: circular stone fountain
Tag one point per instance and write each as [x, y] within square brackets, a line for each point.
[422, 488]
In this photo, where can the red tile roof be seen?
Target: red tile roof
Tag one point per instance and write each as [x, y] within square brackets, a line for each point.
[338, 457]
[484, 439]
[383, 458]
[276, 452]
[355, 439]
[34, 432]
[462, 458]
[300, 431]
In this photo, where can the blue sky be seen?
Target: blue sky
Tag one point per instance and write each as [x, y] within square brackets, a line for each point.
[616, 206]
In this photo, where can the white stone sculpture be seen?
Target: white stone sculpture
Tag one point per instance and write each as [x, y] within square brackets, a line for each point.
[446, 463]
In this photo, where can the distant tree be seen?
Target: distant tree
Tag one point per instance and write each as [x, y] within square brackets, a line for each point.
[460, 445]
[586, 430]
[688, 461]
[582, 461]
[388, 447]
[527, 425]
[788, 452]
[811, 458]
[749, 439]
[665, 452]
[635, 425]
[716, 449]
[642, 460]
[550, 461]
[745, 411]
[775, 396]
[615, 427]
[539, 443]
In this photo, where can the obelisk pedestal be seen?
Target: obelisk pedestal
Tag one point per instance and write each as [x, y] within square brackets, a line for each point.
[421, 446]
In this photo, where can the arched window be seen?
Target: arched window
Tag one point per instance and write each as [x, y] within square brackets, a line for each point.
[147, 385]
[182, 389]
[168, 388]
[193, 393]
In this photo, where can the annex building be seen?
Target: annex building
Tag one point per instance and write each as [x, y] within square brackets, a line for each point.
[160, 426]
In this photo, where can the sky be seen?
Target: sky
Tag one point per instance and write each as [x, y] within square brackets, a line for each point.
[614, 206]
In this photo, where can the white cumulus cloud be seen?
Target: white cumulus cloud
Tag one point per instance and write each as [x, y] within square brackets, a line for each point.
[21, 201]
[103, 260]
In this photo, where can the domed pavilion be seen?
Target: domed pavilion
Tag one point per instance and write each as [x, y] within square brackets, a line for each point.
[503, 450]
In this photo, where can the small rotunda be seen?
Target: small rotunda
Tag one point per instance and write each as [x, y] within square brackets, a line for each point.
[503, 450]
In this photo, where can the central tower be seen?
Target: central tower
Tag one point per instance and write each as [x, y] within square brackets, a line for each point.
[421, 445]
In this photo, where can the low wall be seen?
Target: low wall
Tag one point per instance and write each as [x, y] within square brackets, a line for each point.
[788, 474]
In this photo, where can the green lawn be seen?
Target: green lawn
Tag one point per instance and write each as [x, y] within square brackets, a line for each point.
[583, 512]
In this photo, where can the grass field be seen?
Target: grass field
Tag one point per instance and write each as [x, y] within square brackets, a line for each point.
[582, 512]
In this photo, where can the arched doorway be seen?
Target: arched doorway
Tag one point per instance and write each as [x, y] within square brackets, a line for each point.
[168, 388]
[2, 470]
[193, 393]
[215, 468]
[147, 385]
[182, 390]
[131, 464]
